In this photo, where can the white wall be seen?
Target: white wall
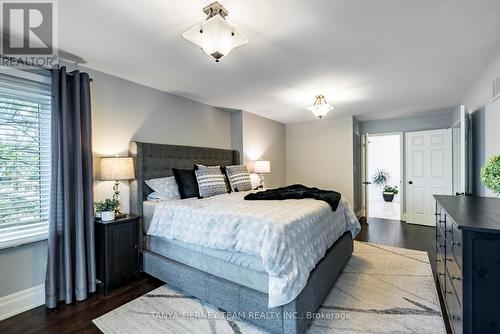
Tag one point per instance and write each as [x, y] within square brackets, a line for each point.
[320, 153]
[479, 99]
[264, 139]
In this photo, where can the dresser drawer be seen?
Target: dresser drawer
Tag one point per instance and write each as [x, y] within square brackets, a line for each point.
[455, 277]
[456, 245]
[453, 308]
[440, 247]
[441, 272]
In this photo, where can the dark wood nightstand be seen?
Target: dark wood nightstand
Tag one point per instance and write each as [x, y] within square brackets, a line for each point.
[117, 251]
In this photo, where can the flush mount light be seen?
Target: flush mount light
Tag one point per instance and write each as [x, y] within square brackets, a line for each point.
[320, 107]
[215, 35]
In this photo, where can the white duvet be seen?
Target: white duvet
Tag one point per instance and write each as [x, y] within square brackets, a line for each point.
[290, 236]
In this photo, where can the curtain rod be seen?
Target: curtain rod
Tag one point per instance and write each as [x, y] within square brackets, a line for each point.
[34, 65]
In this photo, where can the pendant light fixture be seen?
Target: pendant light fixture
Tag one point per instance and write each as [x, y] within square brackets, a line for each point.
[320, 107]
[215, 35]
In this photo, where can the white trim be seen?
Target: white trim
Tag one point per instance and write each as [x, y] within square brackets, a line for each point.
[25, 75]
[402, 171]
[26, 239]
[21, 301]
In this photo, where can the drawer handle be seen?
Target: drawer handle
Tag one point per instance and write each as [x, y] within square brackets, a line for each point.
[454, 278]
[441, 221]
[449, 231]
[455, 317]
[441, 246]
[448, 259]
[438, 260]
[441, 274]
[458, 244]
[448, 292]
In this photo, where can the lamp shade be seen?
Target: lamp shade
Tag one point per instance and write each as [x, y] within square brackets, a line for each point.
[216, 37]
[116, 168]
[262, 166]
[320, 107]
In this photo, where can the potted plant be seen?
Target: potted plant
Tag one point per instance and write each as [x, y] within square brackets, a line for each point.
[389, 192]
[107, 208]
[381, 178]
[490, 174]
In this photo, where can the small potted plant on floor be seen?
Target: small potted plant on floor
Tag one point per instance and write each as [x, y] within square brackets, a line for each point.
[107, 209]
[381, 178]
[389, 192]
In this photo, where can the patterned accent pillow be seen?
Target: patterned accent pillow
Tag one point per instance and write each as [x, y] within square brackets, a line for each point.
[210, 181]
[239, 178]
[165, 187]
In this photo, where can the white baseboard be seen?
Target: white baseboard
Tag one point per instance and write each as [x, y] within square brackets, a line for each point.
[21, 301]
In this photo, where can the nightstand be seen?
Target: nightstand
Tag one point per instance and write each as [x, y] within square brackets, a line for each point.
[117, 251]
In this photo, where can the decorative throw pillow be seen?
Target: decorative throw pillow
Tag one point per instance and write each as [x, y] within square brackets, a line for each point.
[164, 187]
[210, 181]
[186, 182]
[239, 178]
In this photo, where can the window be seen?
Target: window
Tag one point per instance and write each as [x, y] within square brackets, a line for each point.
[24, 157]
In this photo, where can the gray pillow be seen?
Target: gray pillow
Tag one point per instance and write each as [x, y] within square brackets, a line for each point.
[239, 178]
[210, 181]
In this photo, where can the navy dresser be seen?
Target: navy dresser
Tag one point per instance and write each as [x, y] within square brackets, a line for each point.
[468, 261]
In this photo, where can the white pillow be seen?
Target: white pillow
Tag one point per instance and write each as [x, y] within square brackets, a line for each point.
[165, 187]
[154, 196]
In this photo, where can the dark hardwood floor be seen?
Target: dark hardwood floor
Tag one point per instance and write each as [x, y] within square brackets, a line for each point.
[77, 317]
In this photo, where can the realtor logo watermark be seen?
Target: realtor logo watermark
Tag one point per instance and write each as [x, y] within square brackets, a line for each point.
[29, 33]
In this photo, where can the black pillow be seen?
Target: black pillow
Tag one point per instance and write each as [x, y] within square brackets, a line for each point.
[186, 182]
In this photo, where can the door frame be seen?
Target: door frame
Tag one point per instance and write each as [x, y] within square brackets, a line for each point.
[402, 171]
[407, 179]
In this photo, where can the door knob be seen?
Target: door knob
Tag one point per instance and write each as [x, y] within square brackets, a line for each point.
[410, 182]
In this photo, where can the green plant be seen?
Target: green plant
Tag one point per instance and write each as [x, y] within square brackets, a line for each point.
[490, 174]
[107, 205]
[381, 177]
[391, 189]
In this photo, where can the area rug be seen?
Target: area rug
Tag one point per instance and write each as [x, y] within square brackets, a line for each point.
[382, 290]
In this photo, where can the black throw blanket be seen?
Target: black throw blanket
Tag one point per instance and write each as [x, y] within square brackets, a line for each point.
[297, 191]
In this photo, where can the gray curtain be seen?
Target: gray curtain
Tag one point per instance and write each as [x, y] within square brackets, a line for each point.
[71, 270]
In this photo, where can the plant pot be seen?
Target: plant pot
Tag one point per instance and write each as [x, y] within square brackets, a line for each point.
[388, 197]
[107, 216]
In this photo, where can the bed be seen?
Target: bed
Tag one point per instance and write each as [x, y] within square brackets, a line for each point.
[233, 280]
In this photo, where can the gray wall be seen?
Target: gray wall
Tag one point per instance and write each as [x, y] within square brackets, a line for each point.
[485, 121]
[478, 145]
[22, 267]
[259, 138]
[440, 119]
[320, 153]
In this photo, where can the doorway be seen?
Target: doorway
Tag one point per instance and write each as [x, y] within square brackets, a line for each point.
[384, 175]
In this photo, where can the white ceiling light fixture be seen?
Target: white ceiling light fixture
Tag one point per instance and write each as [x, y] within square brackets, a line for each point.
[215, 35]
[320, 107]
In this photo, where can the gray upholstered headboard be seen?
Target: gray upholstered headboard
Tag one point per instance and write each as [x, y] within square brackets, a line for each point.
[157, 160]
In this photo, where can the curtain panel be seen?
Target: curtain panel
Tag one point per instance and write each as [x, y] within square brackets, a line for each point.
[71, 268]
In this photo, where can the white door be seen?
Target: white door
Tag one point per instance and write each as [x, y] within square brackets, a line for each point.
[428, 172]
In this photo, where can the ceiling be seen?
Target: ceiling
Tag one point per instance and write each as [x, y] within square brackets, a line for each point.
[372, 59]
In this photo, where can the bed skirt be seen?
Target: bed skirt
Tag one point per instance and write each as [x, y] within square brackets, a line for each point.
[231, 297]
